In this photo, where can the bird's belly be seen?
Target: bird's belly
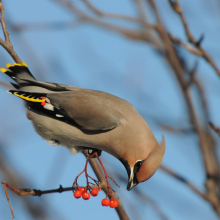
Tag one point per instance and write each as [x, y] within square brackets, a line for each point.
[64, 134]
[56, 131]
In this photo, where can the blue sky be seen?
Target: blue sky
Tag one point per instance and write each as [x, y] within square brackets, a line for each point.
[90, 57]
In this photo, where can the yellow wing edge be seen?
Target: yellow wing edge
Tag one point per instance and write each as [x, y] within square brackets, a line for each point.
[26, 98]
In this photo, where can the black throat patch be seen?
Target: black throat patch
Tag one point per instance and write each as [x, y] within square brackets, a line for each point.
[127, 166]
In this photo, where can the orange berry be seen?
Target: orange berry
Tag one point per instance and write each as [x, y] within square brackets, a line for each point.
[113, 203]
[86, 196]
[77, 194]
[94, 192]
[100, 189]
[105, 202]
[82, 189]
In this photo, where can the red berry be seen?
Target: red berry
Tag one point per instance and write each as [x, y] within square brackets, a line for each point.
[86, 196]
[105, 202]
[94, 192]
[82, 189]
[77, 194]
[113, 203]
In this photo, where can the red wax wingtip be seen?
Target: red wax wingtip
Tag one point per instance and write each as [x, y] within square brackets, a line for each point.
[43, 103]
[43, 97]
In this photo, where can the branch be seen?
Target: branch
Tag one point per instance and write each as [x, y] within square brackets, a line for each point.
[44, 26]
[175, 4]
[208, 151]
[36, 192]
[183, 180]
[6, 43]
[6, 85]
[187, 46]
[135, 34]
[215, 128]
[114, 16]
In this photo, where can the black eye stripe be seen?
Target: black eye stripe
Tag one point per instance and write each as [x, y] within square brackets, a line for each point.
[138, 165]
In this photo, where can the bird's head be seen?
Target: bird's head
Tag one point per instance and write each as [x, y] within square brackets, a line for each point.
[145, 166]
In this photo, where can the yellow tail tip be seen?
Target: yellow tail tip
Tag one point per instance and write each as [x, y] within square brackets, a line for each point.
[3, 70]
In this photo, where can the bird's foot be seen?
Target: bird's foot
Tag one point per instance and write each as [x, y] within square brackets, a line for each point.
[92, 151]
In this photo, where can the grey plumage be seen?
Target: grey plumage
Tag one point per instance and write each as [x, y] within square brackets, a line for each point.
[81, 118]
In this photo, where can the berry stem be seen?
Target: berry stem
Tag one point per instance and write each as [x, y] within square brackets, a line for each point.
[106, 177]
[110, 190]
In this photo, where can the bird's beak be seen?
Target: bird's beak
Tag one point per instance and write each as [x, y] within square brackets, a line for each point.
[132, 179]
[131, 183]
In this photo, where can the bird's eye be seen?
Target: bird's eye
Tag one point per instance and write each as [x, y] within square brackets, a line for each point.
[139, 163]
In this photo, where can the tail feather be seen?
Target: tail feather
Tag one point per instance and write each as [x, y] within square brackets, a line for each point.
[18, 72]
[16, 86]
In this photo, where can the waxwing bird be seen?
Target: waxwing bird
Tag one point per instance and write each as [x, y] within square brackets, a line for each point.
[87, 119]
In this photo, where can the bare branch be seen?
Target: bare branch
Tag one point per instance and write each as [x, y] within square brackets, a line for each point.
[215, 128]
[187, 46]
[114, 16]
[183, 180]
[6, 34]
[5, 85]
[6, 193]
[135, 34]
[208, 153]
[45, 26]
[7, 44]
[197, 43]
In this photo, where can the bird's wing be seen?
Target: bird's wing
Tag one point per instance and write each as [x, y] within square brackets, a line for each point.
[91, 110]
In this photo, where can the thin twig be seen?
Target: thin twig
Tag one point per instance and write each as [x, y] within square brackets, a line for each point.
[197, 43]
[115, 16]
[45, 26]
[135, 34]
[36, 192]
[215, 128]
[6, 193]
[7, 44]
[5, 85]
[190, 48]
[183, 180]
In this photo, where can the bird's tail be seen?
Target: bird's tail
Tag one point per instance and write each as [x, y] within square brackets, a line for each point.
[19, 73]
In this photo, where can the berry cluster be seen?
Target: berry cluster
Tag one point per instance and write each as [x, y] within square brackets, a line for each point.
[82, 192]
[92, 188]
